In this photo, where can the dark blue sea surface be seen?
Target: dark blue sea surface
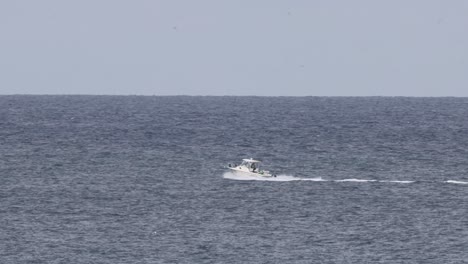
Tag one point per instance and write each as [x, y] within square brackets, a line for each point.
[134, 179]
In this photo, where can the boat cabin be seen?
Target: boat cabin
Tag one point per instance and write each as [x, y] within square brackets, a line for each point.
[251, 164]
[250, 167]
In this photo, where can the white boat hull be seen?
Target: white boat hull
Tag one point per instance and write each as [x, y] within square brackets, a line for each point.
[243, 171]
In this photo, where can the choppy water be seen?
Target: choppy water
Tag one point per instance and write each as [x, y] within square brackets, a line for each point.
[109, 179]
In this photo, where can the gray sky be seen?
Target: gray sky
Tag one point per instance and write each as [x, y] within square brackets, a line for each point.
[256, 47]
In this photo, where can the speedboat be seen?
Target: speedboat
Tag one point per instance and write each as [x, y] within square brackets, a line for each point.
[250, 167]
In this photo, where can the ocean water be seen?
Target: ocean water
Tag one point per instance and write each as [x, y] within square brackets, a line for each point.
[133, 179]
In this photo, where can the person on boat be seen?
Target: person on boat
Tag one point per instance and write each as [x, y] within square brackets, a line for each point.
[253, 167]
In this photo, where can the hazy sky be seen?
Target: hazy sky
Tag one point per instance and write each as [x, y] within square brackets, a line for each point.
[235, 47]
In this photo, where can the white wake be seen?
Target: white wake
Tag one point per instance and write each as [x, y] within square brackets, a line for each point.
[397, 181]
[284, 178]
[281, 178]
[355, 180]
[456, 182]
